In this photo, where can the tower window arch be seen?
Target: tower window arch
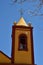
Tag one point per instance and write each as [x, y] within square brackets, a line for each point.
[22, 42]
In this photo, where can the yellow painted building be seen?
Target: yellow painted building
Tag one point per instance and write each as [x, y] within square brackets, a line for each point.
[22, 45]
[4, 58]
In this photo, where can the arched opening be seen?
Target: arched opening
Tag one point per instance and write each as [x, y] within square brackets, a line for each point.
[23, 42]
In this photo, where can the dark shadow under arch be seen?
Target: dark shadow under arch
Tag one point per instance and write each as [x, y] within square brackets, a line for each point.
[22, 42]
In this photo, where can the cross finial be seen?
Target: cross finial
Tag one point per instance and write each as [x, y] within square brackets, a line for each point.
[21, 12]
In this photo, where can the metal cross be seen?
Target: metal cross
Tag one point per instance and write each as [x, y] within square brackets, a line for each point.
[21, 12]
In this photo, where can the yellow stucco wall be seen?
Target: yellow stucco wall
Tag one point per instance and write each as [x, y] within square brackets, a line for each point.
[23, 56]
[4, 59]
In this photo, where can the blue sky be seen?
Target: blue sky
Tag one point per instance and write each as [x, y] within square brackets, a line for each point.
[8, 14]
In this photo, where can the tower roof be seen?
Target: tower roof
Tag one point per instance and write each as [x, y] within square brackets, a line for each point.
[22, 22]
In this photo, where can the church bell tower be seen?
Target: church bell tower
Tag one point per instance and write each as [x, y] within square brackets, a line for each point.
[22, 43]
